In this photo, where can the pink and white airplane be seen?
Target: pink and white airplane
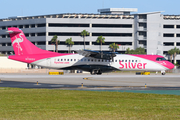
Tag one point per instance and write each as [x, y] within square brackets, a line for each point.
[94, 62]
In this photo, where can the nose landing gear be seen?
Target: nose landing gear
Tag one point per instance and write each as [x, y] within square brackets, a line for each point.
[163, 72]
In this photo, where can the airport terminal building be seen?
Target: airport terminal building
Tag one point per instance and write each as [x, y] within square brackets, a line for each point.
[155, 32]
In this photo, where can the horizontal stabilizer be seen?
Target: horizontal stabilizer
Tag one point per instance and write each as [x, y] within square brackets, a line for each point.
[13, 31]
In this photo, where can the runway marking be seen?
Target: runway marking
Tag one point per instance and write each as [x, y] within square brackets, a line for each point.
[57, 85]
[147, 82]
[108, 80]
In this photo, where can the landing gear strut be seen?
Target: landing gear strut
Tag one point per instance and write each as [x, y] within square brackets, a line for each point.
[98, 72]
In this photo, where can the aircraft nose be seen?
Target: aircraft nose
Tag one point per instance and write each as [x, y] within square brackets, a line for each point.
[170, 65]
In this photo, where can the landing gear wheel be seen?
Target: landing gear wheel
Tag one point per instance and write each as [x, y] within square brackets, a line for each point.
[163, 73]
[98, 72]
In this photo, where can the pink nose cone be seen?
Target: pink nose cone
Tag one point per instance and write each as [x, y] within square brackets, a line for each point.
[170, 65]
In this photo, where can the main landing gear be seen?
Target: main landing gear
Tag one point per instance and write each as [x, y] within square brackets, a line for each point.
[98, 72]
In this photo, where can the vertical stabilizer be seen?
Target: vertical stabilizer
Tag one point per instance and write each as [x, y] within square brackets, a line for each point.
[21, 45]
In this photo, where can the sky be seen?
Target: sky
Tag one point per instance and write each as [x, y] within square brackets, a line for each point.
[11, 8]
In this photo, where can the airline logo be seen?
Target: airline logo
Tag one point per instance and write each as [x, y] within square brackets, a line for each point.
[18, 41]
[132, 65]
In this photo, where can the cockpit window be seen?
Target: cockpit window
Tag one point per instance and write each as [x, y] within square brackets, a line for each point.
[160, 59]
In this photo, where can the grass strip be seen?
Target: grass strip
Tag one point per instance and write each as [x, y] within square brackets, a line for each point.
[21, 104]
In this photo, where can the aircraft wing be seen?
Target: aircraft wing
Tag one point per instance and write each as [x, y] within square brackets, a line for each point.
[97, 54]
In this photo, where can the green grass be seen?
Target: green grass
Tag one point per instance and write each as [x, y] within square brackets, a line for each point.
[37, 104]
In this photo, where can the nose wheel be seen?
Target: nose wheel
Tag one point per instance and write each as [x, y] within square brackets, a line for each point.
[163, 72]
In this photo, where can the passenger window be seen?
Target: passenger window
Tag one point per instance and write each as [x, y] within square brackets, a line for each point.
[132, 60]
[64, 59]
[125, 60]
[115, 60]
[74, 59]
[84, 59]
[122, 60]
[81, 59]
[88, 59]
[61, 59]
[129, 60]
[91, 60]
[67, 59]
[98, 60]
[71, 59]
[119, 60]
[58, 59]
[136, 60]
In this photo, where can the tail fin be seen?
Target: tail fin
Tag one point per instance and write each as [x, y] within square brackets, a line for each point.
[21, 45]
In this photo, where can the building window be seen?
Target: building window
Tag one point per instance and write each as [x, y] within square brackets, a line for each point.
[178, 44]
[33, 26]
[113, 34]
[21, 26]
[177, 35]
[26, 26]
[3, 36]
[165, 52]
[26, 34]
[67, 25]
[41, 34]
[119, 43]
[32, 34]
[41, 43]
[63, 34]
[41, 25]
[168, 26]
[168, 44]
[3, 28]
[113, 25]
[178, 26]
[168, 35]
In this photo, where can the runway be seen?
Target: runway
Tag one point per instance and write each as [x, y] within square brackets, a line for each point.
[92, 81]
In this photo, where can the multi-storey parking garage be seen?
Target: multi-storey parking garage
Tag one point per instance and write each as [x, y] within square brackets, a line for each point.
[153, 31]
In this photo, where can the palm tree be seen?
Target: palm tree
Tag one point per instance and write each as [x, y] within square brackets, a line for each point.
[100, 40]
[55, 41]
[136, 51]
[140, 50]
[176, 51]
[69, 42]
[171, 53]
[128, 51]
[114, 46]
[83, 34]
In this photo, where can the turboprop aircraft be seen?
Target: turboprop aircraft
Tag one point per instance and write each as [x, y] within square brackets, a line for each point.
[95, 62]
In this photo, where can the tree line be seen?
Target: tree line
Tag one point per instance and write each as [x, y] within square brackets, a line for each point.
[172, 54]
[84, 33]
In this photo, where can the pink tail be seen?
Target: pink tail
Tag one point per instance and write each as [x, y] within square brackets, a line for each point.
[21, 45]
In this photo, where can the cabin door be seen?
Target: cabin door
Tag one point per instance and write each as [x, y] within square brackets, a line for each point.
[48, 62]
